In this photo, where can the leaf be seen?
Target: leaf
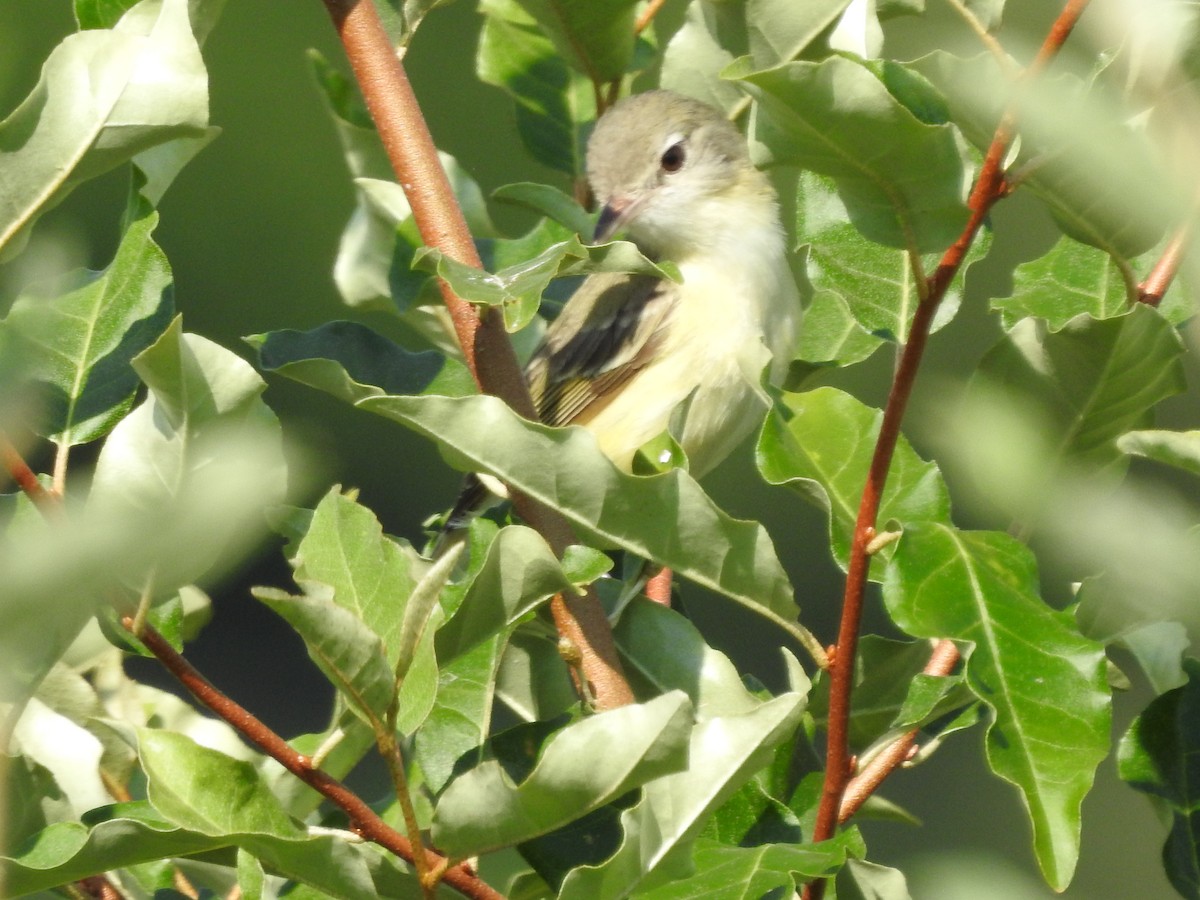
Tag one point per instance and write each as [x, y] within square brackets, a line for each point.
[1160, 755]
[595, 36]
[350, 655]
[103, 97]
[1092, 380]
[863, 880]
[736, 873]
[551, 100]
[1070, 280]
[831, 335]
[725, 751]
[565, 469]
[547, 201]
[780, 31]
[1045, 682]
[582, 767]
[820, 443]
[834, 117]
[1180, 449]
[78, 345]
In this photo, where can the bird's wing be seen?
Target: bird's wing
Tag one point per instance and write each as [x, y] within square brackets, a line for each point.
[608, 331]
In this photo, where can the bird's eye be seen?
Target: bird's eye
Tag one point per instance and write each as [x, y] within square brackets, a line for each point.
[673, 158]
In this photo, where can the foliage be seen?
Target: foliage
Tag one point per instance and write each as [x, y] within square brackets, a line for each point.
[709, 784]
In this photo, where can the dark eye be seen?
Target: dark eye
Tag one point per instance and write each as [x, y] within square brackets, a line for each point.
[673, 158]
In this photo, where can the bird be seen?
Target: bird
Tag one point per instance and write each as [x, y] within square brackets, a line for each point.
[630, 355]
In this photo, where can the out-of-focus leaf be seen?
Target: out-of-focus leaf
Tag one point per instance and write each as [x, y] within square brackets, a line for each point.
[77, 345]
[103, 97]
[1045, 682]
[820, 444]
[725, 751]
[1180, 449]
[564, 468]
[582, 767]
[552, 101]
[1160, 756]
[863, 880]
[733, 873]
[1092, 380]
[547, 201]
[835, 117]
[402, 17]
[876, 284]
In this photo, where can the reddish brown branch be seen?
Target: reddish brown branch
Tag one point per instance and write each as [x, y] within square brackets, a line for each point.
[658, 586]
[48, 502]
[397, 115]
[648, 14]
[989, 188]
[941, 663]
[364, 819]
[1154, 288]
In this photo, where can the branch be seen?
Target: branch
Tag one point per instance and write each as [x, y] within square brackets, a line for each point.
[49, 502]
[990, 188]
[364, 819]
[488, 352]
[1152, 290]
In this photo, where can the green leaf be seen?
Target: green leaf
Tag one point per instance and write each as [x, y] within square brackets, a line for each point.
[551, 100]
[204, 412]
[117, 836]
[820, 444]
[876, 284]
[78, 345]
[519, 572]
[834, 117]
[402, 17]
[724, 752]
[1160, 755]
[831, 335]
[1070, 280]
[564, 468]
[582, 767]
[862, 880]
[462, 712]
[1091, 381]
[349, 653]
[1045, 682]
[103, 97]
[735, 873]
[1180, 449]
[595, 36]
[780, 31]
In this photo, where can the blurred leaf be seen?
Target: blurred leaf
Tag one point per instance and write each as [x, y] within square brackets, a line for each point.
[780, 31]
[78, 345]
[735, 873]
[1045, 681]
[1160, 755]
[117, 836]
[1180, 449]
[564, 468]
[863, 880]
[1092, 380]
[820, 443]
[858, 31]
[725, 751]
[582, 767]
[350, 655]
[1071, 279]
[834, 117]
[100, 13]
[402, 17]
[595, 36]
[103, 97]
[462, 712]
[552, 101]
[875, 283]
[547, 201]
[250, 876]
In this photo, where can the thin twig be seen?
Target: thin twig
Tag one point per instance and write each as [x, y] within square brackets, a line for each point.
[397, 115]
[1154, 288]
[989, 188]
[985, 37]
[658, 586]
[364, 819]
[941, 663]
[24, 478]
[648, 15]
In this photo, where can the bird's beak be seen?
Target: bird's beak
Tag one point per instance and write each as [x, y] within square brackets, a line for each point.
[612, 217]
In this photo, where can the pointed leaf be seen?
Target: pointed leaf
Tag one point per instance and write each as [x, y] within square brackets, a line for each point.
[77, 346]
[1045, 682]
[834, 117]
[820, 443]
[103, 97]
[581, 768]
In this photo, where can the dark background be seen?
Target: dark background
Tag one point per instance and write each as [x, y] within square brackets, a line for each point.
[251, 230]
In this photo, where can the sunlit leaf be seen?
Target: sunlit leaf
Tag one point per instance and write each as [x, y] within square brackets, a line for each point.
[595, 36]
[1044, 681]
[1180, 449]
